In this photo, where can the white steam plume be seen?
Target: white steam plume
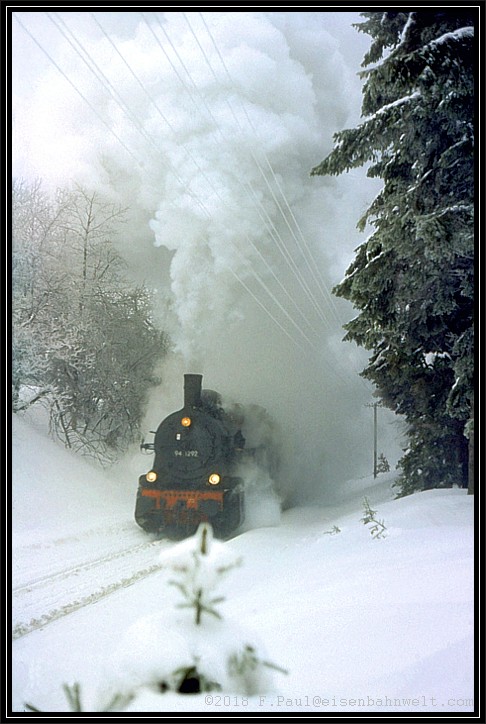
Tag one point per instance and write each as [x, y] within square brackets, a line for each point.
[212, 122]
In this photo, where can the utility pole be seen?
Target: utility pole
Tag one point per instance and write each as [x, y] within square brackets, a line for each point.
[375, 406]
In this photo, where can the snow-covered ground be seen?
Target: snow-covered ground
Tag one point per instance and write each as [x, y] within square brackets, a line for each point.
[352, 622]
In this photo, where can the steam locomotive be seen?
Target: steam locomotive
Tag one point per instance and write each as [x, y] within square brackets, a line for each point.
[196, 472]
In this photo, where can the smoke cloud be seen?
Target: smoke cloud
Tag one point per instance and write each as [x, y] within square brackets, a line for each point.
[206, 126]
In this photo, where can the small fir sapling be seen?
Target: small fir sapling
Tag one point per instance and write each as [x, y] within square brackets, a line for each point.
[378, 527]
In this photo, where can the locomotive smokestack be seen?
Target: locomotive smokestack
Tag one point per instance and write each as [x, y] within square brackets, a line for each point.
[192, 390]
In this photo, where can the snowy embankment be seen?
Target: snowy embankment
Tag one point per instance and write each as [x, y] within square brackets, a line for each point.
[360, 622]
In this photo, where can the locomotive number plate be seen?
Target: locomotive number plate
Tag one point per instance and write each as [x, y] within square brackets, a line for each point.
[186, 453]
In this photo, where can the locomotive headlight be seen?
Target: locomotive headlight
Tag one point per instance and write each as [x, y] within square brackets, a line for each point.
[151, 476]
[214, 479]
[186, 422]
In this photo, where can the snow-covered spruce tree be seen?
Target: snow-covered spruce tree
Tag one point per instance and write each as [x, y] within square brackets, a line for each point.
[412, 279]
[187, 647]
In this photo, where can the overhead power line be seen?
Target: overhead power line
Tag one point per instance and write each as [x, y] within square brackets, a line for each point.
[283, 207]
[102, 78]
[247, 188]
[303, 245]
[73, 85]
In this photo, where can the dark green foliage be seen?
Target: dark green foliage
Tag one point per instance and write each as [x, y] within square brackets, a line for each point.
[377, 527]
[383, 464]
[73, 695]
[412, 280]
[192, 581]
[239, 664]
[190, 681]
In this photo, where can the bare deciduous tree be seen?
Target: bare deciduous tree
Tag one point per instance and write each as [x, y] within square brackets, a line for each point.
[84, 341]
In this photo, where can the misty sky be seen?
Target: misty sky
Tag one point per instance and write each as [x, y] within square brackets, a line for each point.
[206, 125]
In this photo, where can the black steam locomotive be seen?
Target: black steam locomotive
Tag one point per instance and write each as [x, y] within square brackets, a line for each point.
[194, 477]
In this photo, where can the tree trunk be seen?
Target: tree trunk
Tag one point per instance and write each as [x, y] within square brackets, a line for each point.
[470, 469]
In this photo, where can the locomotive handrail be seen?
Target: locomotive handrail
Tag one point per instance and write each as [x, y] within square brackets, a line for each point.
[147, 446]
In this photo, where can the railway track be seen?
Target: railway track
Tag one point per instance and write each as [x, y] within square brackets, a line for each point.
[73, 581]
